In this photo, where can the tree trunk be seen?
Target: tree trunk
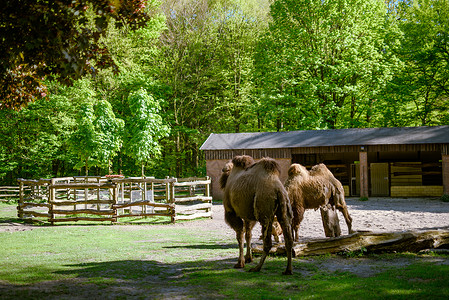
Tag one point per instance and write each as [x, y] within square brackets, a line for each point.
[403, 241]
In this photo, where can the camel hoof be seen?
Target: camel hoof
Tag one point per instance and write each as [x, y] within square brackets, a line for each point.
[239, 266]
[287, 272]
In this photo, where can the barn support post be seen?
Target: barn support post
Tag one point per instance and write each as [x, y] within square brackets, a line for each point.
[363, 157]
[445, 172]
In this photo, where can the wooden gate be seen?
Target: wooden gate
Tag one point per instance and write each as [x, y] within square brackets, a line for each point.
[379, 179]
[355, 180]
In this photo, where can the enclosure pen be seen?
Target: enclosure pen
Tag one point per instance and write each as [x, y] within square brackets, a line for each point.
[113, 198]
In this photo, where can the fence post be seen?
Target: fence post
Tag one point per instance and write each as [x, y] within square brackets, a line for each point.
[114, 201]
[20, 206]
[172, 200]
[51, 199]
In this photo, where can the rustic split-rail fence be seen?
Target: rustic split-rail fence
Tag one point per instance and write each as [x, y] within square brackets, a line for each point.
[113, 198]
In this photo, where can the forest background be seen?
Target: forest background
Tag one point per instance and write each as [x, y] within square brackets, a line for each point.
[155, 90]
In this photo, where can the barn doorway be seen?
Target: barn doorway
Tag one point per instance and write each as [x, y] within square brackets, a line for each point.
[355, 180]
[379, 179]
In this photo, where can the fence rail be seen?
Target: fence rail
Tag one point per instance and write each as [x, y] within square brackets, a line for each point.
[9, 193]
[72, 199]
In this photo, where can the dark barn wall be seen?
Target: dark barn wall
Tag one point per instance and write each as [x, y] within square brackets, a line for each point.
[411, 166]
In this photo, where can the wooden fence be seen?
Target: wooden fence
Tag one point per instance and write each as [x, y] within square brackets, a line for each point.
[118, 200]
[9, 193]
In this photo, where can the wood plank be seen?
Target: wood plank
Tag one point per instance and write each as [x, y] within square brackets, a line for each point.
[75, 219]
[164, 205]
[83, 211]
[194, 198]
[36, 214]
[69, 202]
[404, 241]
[167, 214]
[186, 208]
[83, 185]
[194, 216]
[192, 183]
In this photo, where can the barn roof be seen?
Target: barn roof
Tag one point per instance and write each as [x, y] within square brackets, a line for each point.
[334, 137]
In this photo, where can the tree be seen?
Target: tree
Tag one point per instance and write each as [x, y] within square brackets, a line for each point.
[109, 133]
[47, 37]
[333, 51]
[84, 142]
[423, 82]
[144, 128]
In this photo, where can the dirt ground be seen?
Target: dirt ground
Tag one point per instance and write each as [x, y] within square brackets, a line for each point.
[376, 214]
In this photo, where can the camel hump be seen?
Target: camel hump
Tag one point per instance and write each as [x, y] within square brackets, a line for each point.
[242, 161]
[270, 165]
[320, 170]
[297, 169]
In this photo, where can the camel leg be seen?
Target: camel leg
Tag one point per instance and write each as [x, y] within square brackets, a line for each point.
[348, 219]
[237, 224]
[248, 234]
[267, 243]
[288, 238]
[331, 223]
[297, 223]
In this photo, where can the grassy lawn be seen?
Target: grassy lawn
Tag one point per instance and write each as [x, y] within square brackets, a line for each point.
[167, 261]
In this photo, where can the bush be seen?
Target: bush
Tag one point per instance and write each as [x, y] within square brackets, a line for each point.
[445, 198]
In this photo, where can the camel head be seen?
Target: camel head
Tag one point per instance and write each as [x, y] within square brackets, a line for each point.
[225, 174]
[297, 170]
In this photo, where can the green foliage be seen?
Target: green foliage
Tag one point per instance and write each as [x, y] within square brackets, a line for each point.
[110, 132]
[84, 141]
[61, 37]
[357, 253]
[144, 128]
[334, 58]
[422, 82]
[213, 66]
[445, 198]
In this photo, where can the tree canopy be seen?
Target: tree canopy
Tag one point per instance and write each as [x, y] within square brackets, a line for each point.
[118, 85]
[56, 37]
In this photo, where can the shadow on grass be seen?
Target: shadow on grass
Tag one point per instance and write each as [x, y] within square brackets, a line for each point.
[205, 246]
[206, 279]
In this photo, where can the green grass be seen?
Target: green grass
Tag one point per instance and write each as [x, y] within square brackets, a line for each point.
[165, 261]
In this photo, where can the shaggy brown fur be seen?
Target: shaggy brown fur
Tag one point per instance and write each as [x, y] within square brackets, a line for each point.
[276, 231]
[253, 193]
[315, 189]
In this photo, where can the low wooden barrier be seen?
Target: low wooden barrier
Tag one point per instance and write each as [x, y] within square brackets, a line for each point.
[113, 199]
[145, 197]
[9, 193]
[192, 198]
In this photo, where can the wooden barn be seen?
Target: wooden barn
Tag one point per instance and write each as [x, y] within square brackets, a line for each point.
[389, 162]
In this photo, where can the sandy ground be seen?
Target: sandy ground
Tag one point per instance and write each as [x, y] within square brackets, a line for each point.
[376, 214]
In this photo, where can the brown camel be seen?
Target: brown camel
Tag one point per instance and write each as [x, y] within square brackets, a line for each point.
[253, 193]
[315, 189]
